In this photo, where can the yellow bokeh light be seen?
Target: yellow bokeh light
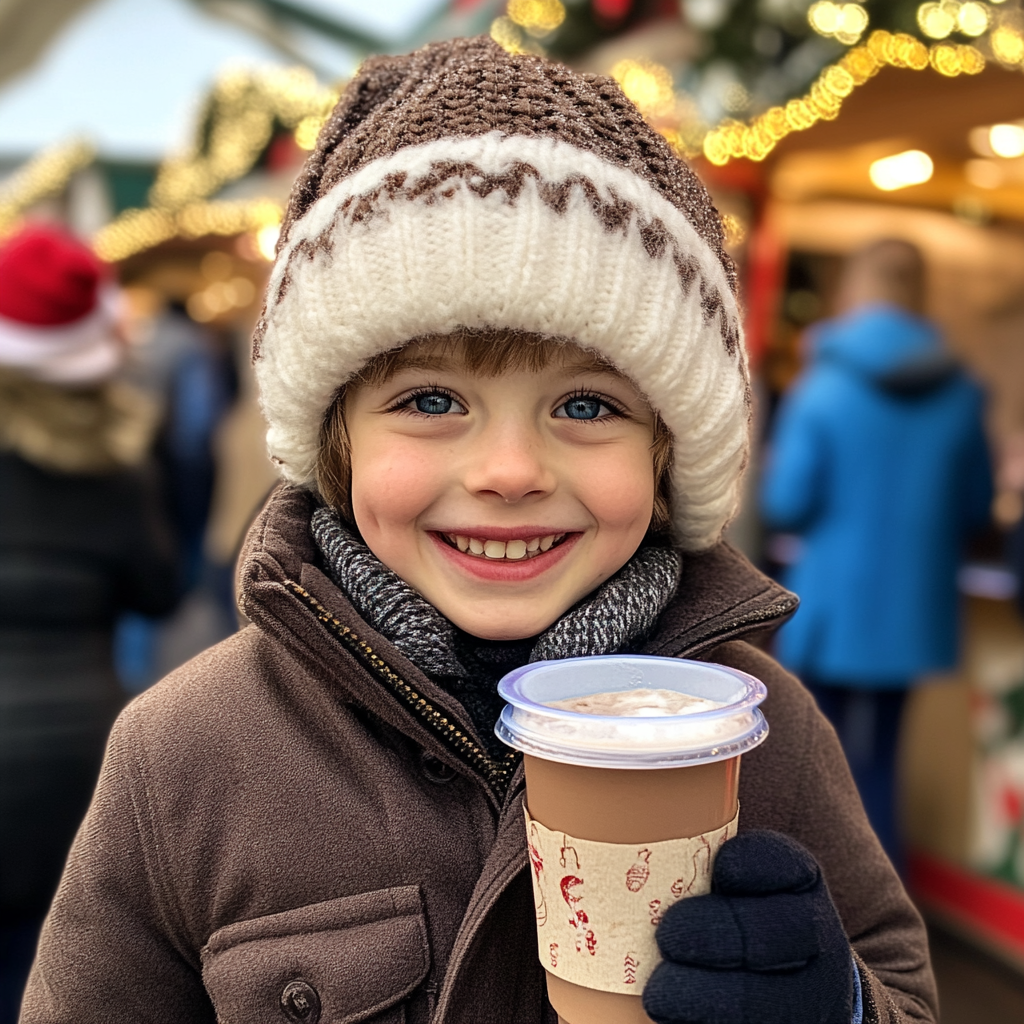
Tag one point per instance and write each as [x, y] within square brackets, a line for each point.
[307, 131]
[853, 19]
[1008, 44]
[734, 229]
[1006, 140]
[45, 175]
[912, 167]
[972, 60]
[972, 18]
[266, 240]
[507, 34]
[824, 17]
[647, 84]
[946, 60]
[845, 22]
[538, 17]
[937, 20]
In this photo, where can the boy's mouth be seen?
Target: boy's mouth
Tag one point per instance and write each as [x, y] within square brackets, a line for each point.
[515, 550]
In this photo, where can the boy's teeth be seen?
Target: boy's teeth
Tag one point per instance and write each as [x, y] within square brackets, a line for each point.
[514, 550]
[494, 548]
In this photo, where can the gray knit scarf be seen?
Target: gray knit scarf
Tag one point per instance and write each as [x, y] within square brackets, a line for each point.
[620, 612]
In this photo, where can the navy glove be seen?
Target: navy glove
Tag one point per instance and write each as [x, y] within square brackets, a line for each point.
[766, 946]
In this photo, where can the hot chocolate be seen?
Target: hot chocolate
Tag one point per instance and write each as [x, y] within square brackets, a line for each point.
[640, 703]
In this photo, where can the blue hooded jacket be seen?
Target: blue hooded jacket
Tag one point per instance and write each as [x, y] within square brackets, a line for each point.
[879, 462]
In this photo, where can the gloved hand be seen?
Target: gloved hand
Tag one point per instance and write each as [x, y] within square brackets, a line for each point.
[765, 946]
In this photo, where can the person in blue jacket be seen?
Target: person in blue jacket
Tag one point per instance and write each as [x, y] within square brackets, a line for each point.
[879, 463]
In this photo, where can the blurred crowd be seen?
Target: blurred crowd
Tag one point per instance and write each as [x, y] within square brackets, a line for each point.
[108, 468]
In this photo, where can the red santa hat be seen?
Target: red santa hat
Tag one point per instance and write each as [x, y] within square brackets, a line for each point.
[57, 316]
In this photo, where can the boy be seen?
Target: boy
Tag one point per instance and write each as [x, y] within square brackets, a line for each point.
[501, 365]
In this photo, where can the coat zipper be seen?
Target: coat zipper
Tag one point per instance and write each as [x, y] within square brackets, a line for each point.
[497, 773]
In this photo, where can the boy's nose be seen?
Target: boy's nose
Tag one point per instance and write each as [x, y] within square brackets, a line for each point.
[512, 468]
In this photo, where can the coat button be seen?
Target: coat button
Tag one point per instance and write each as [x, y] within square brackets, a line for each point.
[436, 770]
[300, 1002]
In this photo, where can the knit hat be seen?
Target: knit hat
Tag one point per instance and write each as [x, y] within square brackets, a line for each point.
[462, 186]
[56, 314]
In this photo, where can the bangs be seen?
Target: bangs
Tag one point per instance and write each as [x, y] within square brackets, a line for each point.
[486, 353]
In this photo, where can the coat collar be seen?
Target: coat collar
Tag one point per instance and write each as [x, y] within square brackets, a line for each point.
[283, 590]
[721, 595]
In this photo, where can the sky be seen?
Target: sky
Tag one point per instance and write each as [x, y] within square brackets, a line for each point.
[129, 74]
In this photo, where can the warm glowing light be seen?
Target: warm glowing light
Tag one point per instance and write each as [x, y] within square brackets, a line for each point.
[243, 110]
[1006, 140]
[845, 22]
[912, 167]
[734, 229]
[972, 18]
[1007, 44]
[538, 17]
[937, 20]
[647, 84]
[45, 175]
[983, 173]
[266, 240]
[307, 130]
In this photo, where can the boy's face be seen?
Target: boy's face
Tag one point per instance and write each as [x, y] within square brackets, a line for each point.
[503, 499]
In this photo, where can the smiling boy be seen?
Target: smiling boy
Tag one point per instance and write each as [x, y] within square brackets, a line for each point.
[501, 366]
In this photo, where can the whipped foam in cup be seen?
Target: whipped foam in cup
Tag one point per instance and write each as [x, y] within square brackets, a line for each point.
[566, 711]
[640, 703]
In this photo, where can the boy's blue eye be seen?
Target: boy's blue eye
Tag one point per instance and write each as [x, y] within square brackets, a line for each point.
[434, 404]
[584, 407]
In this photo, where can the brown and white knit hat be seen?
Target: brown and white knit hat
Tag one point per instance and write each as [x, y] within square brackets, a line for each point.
[462, 186]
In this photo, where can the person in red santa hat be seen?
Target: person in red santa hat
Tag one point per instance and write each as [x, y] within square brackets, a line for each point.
[82, 538]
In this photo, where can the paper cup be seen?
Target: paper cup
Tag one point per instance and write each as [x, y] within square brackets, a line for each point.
[647, 798]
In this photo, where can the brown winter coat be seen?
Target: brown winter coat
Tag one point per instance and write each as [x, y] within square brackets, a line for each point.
[282, 818]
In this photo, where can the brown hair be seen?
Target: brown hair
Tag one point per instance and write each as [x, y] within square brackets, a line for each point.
[888, 270]
[481, 352]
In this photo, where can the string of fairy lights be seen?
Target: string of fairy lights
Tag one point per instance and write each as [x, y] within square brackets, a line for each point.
[996, 30]
[44, 176]
[246, 109]
[240, 118]
[756, 139]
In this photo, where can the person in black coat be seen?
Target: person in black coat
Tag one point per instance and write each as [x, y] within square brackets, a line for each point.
[82, 537]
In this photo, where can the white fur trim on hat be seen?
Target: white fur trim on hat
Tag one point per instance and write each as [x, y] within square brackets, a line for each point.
[83, 352]
[518, 232]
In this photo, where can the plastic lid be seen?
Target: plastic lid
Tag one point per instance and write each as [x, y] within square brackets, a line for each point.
[700, 736]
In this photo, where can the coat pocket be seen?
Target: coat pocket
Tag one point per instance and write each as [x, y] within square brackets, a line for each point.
[338, 962]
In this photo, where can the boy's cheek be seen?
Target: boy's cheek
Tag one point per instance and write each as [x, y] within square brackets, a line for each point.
[393, 488]
[618, 492]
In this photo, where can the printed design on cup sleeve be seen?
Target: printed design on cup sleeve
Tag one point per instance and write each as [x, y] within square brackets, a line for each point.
[537, 863]
[640, 871]
[571, 887]
[630, 965]
[603, 937]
